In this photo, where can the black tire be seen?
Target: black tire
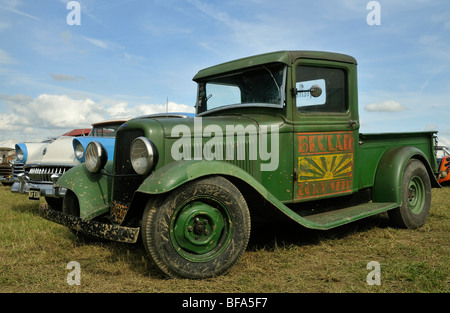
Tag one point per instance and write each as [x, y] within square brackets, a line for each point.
[416, 197]
[200, 230]
[54, 203]
[70, 205]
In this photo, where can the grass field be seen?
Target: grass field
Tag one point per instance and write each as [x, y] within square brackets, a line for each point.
[280, 258]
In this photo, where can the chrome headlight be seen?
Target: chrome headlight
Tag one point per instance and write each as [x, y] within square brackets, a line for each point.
[96, 157]
[143, 155]
[79, 151]
[19, 154]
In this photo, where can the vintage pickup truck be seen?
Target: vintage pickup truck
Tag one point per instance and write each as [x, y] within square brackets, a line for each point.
[276, 132]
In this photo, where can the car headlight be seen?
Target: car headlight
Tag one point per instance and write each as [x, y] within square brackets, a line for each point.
[143, 155]
[21, 153]
[96, 157]
[79, 151]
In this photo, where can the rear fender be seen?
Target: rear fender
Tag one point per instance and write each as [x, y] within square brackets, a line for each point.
[389, 175]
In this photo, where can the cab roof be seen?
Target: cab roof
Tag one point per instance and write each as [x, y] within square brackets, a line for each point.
[286, 57]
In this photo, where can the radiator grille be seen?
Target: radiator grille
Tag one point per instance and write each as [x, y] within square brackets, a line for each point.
[43, 174]
[124, 186]
[5, 170]
[17, 168]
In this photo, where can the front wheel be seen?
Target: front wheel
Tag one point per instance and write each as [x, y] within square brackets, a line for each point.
[200, 230]
[416, 197]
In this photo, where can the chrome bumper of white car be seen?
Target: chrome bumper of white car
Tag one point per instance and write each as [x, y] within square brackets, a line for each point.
[37, 190]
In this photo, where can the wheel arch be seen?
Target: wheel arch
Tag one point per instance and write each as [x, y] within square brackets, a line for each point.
[389, 173]
[174, 175]
[93, 191]
[168, 178]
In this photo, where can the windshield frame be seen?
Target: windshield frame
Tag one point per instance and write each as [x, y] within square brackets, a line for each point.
[282, 88]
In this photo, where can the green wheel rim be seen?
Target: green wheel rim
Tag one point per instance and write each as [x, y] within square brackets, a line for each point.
[416, 195]
[200, 229]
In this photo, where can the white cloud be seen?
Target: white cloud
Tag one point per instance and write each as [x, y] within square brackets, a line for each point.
[52, 115]
[11, 6]
[444, 141]
[131, 59]
[97, 42]
[65, 77]
[145, 109]
[385, 106]
[261, 32]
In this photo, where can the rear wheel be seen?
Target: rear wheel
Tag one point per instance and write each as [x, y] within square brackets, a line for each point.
[416, 197]
[200, 230]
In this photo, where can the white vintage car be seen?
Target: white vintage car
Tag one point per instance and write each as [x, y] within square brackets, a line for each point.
[44, 162]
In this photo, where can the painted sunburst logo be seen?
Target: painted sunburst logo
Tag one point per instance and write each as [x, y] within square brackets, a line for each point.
[325, 167]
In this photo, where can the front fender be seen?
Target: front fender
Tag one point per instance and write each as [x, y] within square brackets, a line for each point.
[389, 174]
[92, 190]
[175, 174]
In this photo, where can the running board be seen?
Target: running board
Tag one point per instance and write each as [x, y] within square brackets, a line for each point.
[333, 218]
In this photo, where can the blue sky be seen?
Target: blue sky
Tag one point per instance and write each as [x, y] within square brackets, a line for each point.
[128, 57]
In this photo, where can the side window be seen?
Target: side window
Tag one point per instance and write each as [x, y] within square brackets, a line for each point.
[321, 89]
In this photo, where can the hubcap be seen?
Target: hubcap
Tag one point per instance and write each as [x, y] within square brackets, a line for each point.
[200, 230]
[416, 195]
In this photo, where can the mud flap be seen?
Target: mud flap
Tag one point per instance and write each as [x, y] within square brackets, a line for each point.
[101, 230]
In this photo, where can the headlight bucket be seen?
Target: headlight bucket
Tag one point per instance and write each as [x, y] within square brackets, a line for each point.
[143, 155]
[96, 157]
[79, 150]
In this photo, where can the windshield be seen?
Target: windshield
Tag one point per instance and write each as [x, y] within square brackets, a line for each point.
[259, 86]
[105, 130]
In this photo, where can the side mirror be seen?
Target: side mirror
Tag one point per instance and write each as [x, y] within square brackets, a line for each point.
[315, 91]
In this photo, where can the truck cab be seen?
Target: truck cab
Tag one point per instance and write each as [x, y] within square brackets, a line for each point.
[277, 131]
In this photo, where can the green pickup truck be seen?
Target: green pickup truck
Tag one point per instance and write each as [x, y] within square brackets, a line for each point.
[277, 132]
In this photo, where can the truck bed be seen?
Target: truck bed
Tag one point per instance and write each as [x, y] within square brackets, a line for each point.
[372, 147]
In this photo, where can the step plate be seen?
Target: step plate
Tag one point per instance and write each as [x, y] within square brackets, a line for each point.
[334, 218]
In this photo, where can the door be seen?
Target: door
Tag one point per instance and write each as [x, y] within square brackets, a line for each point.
[324, 132]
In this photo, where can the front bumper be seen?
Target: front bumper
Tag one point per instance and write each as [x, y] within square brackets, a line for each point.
[97, 229]
[24, 186]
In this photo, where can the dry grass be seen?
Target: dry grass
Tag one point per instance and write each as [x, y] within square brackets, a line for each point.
[281, 257]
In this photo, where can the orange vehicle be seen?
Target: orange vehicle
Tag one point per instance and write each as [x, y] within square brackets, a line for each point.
[444, 164]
